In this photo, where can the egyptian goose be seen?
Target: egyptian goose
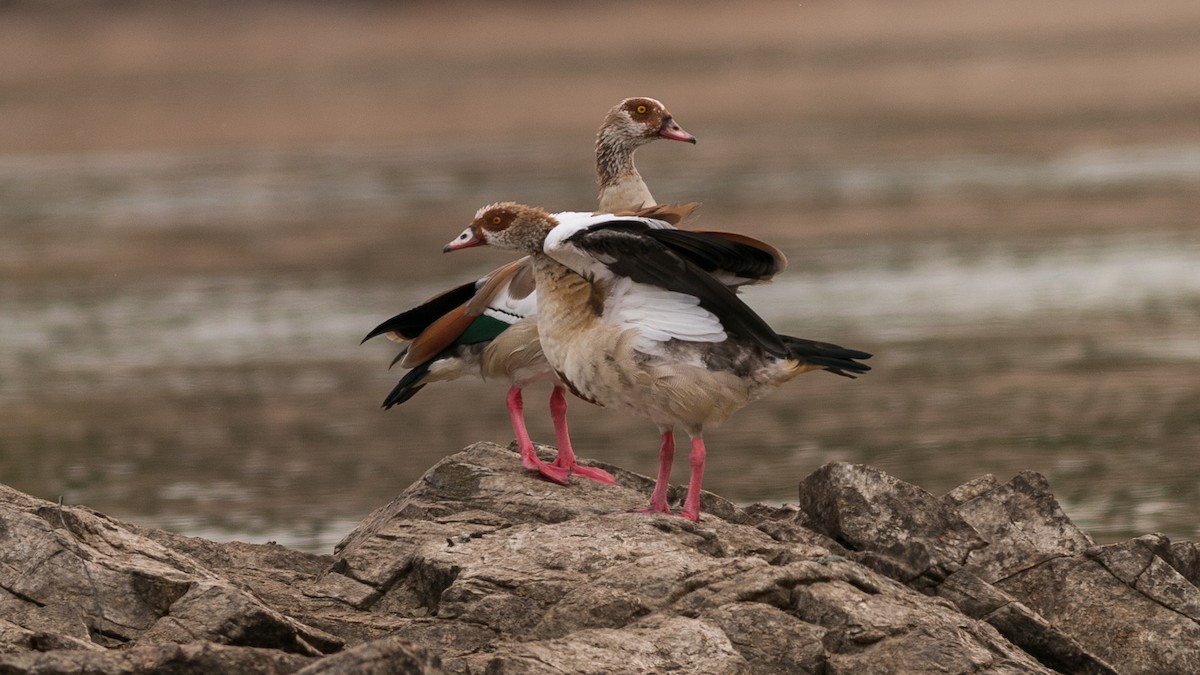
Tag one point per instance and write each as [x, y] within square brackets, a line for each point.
[630, 124]
[629, 323]
[476, 329]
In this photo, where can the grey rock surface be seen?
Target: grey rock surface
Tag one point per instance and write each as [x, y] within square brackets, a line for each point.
[480, 567]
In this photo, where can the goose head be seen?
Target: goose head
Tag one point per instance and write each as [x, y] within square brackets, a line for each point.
[506, 225]
[639, 120]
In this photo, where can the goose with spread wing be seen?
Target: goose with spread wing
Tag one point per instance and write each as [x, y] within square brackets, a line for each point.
[484, 328]
[630, 323]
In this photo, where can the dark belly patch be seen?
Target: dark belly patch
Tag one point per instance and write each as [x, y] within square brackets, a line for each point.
[571, 388]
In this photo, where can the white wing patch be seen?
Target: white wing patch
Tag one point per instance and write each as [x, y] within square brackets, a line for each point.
[571, 222]
[585, 262]
[510, 310]
[660, 315]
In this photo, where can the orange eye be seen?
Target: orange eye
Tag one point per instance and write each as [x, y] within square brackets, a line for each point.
[641, 110]
[495, 220]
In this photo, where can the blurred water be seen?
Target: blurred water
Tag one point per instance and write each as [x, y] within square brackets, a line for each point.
[236, 402]
[232, 321]
[162, 190]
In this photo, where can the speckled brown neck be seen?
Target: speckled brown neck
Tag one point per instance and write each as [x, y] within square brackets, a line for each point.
[621, 186]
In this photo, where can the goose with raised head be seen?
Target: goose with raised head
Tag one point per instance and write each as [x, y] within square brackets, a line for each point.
[630, 124]
[484, 328]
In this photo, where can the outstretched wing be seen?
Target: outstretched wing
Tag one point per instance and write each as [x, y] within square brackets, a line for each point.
[665, 292]
[473, 312]
[735, 259]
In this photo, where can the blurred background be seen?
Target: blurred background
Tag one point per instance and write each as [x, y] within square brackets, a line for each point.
[205, 205]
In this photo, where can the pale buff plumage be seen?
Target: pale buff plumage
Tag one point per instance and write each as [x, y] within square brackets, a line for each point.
[515, 355]
[639, 334]
[629, 125]
[600, 363]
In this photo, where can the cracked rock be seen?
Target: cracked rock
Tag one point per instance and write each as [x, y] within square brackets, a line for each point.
[480, 567]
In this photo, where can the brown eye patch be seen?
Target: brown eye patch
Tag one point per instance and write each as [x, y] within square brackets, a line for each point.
[496, 220]
[640, 107]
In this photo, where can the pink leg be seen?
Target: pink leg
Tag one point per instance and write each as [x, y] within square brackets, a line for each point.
[566, 456]
[691, 503]
[529, 458]
[666, 455]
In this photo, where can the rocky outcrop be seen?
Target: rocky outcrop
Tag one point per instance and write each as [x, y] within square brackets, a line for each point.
[481, 568]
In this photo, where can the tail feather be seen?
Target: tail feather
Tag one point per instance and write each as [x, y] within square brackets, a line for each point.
[837, 360]
[409, 385]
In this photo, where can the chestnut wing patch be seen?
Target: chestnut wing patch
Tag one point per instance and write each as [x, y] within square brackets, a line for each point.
[408, 325]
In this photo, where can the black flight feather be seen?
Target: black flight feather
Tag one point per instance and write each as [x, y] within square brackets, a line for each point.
[410, 324]
[626, 250]
[713, 254]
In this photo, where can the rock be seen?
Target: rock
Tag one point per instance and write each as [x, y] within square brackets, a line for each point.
[657, 644]
[388, 656]
[892, 526]
[569, 579]
[76, 575]
[774, 640]
[1028, 571]
[1021, 625]
[480, 567]
[194, 658]
[1184, 556]
[1123, 603]
[1023, 524]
